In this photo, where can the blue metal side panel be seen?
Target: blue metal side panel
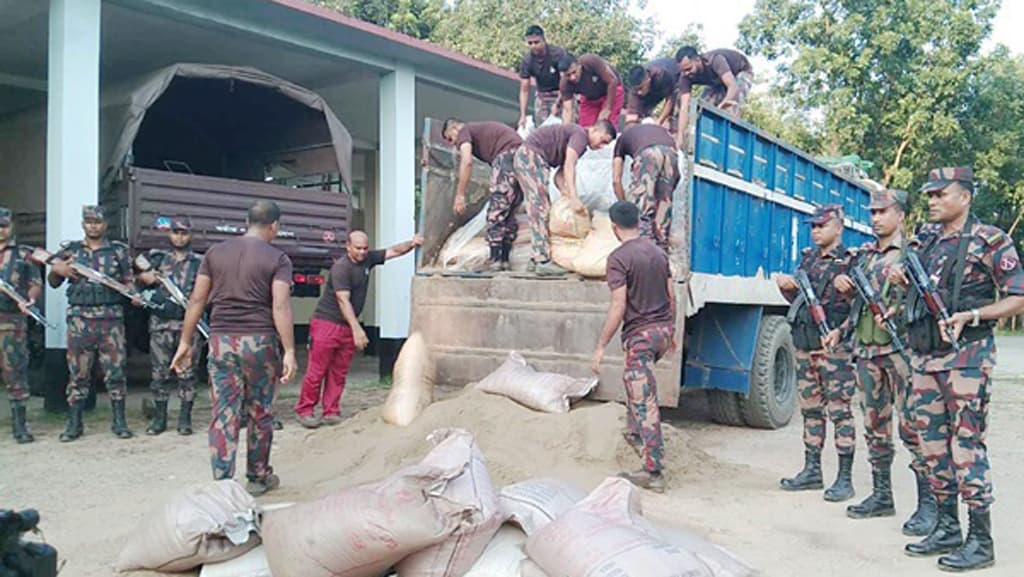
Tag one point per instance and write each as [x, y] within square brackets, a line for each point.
[758, 225]
[834, 193]
[763, 170]
[819, 178]
[801, 179]
[707, 226]
[711, 132]
[734, 232]
[783, 171]
[780, 238]
[804, 235]
[737, 151]
[721, 347]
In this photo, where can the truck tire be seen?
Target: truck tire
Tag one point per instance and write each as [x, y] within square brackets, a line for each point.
[772, 397]
[725, 407]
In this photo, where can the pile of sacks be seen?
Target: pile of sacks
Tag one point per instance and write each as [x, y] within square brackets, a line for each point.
[438, 518]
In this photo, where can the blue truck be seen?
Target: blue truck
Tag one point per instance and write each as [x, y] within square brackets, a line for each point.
[737, 219]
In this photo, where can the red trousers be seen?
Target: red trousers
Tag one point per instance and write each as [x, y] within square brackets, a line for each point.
[590, 109]
[329, 360]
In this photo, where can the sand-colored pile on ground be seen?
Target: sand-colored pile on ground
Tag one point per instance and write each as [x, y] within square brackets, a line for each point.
[583, 446]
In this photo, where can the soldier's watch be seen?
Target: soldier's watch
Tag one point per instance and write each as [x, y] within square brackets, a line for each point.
[975, 318]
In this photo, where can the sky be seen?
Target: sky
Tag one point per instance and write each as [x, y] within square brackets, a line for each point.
[721, 19]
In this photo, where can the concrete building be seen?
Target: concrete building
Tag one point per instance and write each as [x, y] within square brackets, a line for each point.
[57, 57]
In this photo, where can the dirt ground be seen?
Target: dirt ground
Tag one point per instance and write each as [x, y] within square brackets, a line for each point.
[92, 493]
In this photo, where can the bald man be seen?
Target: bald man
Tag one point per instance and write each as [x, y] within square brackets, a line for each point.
[334, 330]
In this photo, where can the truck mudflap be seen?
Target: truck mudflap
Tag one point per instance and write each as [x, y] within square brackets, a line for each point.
[471, 325]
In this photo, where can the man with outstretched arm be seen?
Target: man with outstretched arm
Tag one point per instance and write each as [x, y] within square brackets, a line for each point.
[601, 92]
[248, 281]
[726, 75]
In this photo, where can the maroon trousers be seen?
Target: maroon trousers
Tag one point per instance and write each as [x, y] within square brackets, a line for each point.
[329, 360]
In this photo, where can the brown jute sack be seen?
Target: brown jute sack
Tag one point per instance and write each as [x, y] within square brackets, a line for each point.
[412, 383]
[592, 259]
[192, 529]
[564, 222]
[546, 392]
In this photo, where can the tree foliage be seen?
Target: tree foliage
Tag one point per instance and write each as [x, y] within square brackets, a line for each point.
[417, 18]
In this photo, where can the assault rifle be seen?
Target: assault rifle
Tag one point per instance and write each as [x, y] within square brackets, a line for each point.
[173, 291]
[19, 558]
[94, 276]
[873, 300]
[32, 311]
[813, 303]
[926, 288]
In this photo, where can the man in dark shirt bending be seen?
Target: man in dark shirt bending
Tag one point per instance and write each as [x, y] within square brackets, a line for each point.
[248, 282]
[541, 64]
[726, 75]
[334, 330]
[643, 303]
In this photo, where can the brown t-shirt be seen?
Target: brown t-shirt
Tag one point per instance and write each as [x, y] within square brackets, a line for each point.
[716, 63]
[242, 271]
[544, 68]
[595, 76]
[489, 139]
[641, 267]
[550, 142]
[640, 136]
[664, 83]
[346, 275]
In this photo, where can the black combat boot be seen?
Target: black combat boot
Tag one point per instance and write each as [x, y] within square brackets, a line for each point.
[118, 424]
[977, 552]
[842, 488]
[944, 538]
[809, 478]
[74, 428]
[185, 418]
[159, 422]
[879, 502]
[506, 256]
[494, 262]
[922, 521]
[18, 425]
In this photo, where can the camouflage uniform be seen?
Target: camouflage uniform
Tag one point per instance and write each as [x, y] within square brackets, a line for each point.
[542, 103]
[505, 199]
[165, 325]
[643, 418]
[245, 370]
[715, 94]
[655, 177]
[532, 173]
[21, 274]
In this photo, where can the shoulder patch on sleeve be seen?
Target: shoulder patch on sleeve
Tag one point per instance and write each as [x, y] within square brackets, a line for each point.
[993, 236]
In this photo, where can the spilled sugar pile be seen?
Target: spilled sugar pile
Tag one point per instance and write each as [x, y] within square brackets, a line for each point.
[583, 446]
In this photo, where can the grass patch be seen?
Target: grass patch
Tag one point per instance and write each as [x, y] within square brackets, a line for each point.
[374, 385]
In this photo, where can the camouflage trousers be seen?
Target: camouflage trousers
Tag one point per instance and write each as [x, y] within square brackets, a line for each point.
[716, 94]
[643, 418]
[244, 371]
[14, 355]
[164, 336]
[655, 176]
[101, 339]
[505, 199]
[825, 387]
[543, 103]
[532, 173]
[952, 419]
[884, 383]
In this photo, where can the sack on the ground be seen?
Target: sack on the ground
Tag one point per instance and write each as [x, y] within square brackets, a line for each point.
[592, 259]
[720, 561]
[546, 392]
[252, 564]
[503, 554]
[605, 534]
[455, 556]
[207, 523]
[412, 382]
[564, 222]
[361, 531]
[534, 503]
[565, 250]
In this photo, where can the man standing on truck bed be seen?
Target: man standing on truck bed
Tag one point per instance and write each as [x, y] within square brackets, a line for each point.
[334, 330]
[643, 303]
[883, 369]
[95, 320]
[495, 144]
[181, 266]
[652, 84]
[248, 282]
[967, 263]
[655, 177]
[541, 64]
[594, 79]
[553, 147]
[825, 378]
[727, 78]
[23, 276]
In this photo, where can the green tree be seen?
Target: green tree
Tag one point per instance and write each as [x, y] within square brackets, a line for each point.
[692, 35]
[417, 18]
[888, 75]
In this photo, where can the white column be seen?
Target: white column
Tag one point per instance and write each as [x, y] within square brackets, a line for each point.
[72, 133]
[396, 190]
